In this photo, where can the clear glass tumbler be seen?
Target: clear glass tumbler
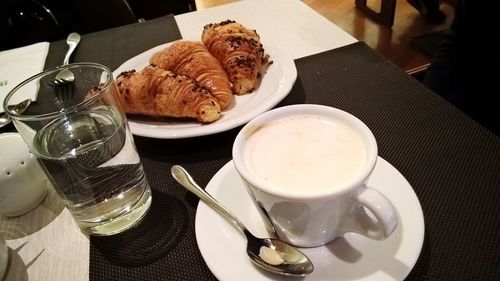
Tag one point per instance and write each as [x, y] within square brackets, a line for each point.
[80, 135]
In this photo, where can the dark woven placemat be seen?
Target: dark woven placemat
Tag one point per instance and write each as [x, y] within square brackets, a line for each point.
[112, 47]
[163, 247]
[450, 160]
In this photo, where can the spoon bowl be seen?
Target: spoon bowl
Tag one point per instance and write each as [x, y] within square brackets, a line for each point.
[63, 77]
[14, 108]
[270, 254]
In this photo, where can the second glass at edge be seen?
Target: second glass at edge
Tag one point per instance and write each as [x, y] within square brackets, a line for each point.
[80, 135]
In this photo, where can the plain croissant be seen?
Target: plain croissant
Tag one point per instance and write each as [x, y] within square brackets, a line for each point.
[193, 59]
[158, 92]
[239, 51]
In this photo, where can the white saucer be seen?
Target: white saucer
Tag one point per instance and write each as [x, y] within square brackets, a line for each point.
[353, 257]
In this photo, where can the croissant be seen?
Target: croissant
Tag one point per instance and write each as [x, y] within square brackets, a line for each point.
[193, 59]
[158, 92]
[239, 51]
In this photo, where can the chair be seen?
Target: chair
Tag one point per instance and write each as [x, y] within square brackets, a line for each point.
[386, 14]
[98, 15]
[149, 9]
[28, 21]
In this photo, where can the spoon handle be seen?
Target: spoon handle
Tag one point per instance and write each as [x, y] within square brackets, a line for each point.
[183, 177]
[72, 46]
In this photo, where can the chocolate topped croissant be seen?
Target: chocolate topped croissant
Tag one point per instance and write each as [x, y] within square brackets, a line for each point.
[193, 59]
[158, 92]
[239, 51]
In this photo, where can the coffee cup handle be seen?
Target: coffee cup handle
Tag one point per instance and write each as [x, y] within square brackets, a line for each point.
[361, 222]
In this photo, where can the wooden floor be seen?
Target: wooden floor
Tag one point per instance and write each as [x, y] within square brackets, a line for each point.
[393, 43]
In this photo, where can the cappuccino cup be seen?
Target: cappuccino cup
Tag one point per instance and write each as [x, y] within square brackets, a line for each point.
[305, 166]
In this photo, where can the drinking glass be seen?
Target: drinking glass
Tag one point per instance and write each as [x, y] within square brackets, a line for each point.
[79, 133]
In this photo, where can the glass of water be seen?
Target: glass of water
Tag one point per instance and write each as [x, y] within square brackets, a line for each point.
[79, 134]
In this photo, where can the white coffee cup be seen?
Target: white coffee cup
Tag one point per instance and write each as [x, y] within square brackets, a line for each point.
[23, 183]
[305, 167]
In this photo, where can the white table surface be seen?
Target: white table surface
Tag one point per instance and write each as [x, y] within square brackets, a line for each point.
[46, 244]
[290, 24]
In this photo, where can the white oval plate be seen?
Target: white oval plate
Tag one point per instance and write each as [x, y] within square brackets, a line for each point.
[276, 83]
[353, 257]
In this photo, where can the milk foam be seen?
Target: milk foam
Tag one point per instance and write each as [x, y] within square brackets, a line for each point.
[306, 153]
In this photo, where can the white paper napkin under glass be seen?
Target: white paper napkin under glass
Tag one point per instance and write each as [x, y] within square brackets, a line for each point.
[16, 65]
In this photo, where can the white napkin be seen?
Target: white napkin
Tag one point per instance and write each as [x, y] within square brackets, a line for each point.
[16, 65]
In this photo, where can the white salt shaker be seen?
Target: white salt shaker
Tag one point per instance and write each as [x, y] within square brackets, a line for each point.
[23, 183]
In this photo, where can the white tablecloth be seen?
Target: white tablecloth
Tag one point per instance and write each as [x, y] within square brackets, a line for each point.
[16, 65]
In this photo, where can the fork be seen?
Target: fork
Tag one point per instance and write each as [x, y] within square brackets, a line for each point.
[65, 76]
[63, 82]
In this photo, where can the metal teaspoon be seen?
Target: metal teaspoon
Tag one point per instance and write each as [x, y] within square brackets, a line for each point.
[16, 108]
[65, 75]
[269, 254]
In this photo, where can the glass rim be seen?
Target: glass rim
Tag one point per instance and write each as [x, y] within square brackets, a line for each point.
[50, 115]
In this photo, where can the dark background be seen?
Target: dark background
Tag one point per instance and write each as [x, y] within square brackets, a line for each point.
[24, 22]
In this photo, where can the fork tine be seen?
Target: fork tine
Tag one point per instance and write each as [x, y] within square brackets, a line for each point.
[64, 91]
